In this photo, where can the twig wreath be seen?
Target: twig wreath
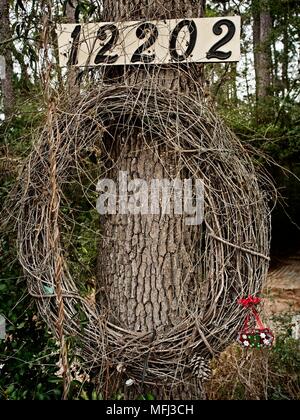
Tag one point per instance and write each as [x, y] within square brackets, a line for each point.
[236, 228]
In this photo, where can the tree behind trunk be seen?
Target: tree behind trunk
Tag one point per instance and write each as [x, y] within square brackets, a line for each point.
[5, 50]
[262, 31]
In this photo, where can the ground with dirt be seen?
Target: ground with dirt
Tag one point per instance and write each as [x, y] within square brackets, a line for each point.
[283, 287]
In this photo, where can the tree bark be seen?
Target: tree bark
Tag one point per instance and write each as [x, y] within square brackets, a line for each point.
[285, 58]
[265, 60]
[256, 40]
[262, 31]
[72, 74]
[148, 263]
[5, 51]
[145, 259]
[70, 10]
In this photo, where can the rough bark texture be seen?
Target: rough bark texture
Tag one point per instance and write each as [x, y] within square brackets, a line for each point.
[72, 71]
[70, 10]
[147, 263]
[256, 39]
[152, 9]
[265, 67]
[262, 28]
[5, 50]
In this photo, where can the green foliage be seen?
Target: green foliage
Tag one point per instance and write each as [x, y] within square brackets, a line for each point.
[29, 353]
[147, 397]
[285, 363]
[279, 140]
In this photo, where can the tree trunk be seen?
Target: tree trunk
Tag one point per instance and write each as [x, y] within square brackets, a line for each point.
[262, 30]
[265, 60]
[70, 10]
[256, 40]
[5, 51]
[72, 73]
[285, 58]
[148, 263]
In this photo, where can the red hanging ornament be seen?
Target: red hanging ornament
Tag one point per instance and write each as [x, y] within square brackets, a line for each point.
[249, 301]
[258, 336]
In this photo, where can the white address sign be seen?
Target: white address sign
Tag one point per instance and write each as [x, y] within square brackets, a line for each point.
[203, 40]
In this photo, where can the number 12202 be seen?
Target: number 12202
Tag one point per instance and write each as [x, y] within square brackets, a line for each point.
[159, 42]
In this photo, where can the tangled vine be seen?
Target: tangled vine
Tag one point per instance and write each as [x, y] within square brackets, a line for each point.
[236, 231]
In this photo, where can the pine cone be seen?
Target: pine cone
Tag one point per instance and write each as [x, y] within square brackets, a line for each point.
[201, 367]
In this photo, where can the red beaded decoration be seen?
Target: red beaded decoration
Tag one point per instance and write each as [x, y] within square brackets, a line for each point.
[259, 336]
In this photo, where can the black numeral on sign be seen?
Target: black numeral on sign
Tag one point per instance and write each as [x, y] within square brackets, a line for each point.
[191, 25]
[110, 45]
[184, 43]
[213, 52]
[73, 59]
[141, 33]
